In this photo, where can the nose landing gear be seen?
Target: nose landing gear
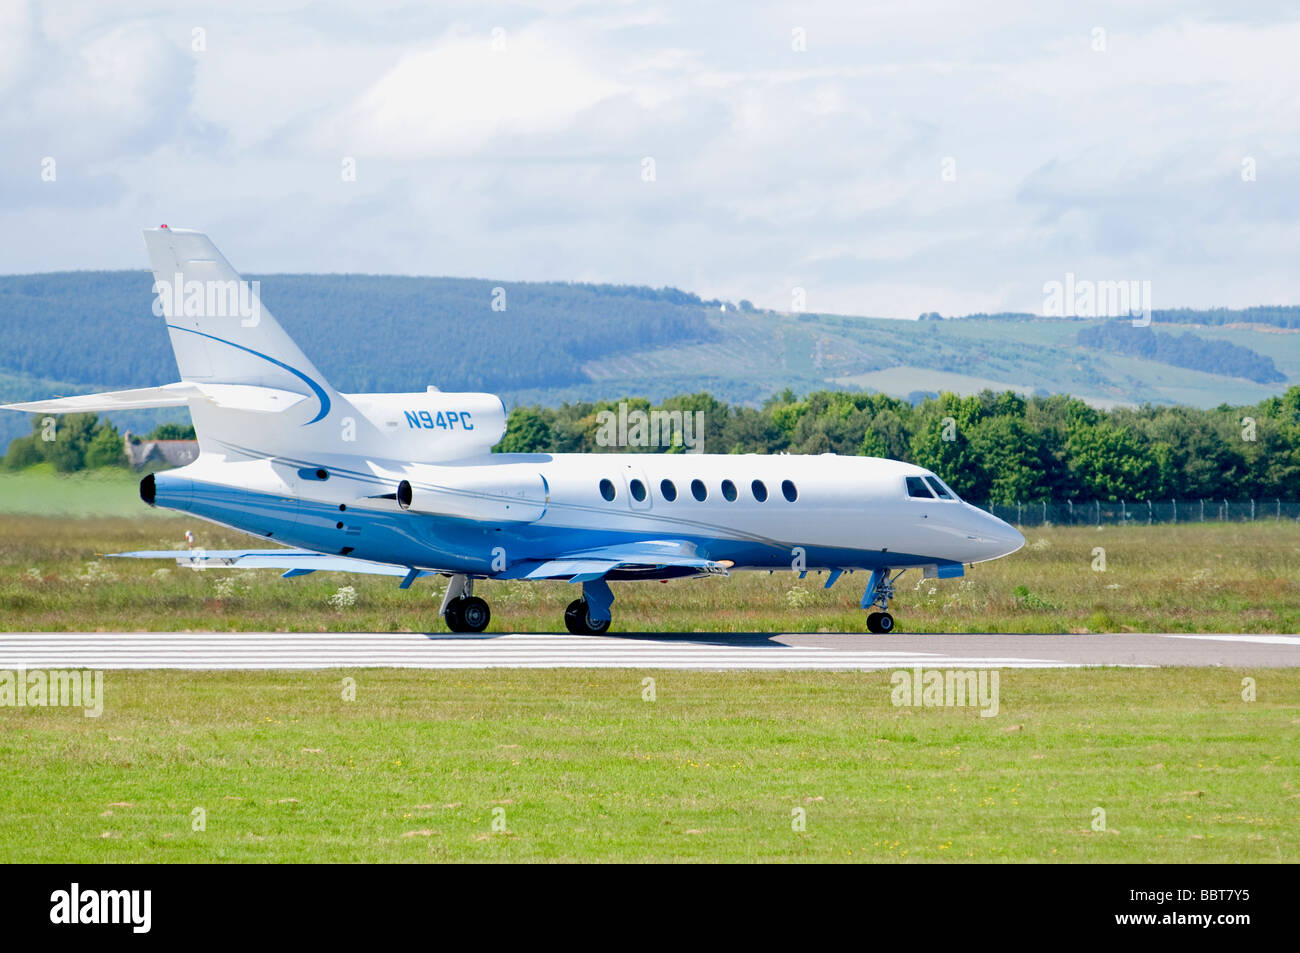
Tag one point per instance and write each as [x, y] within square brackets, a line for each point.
[880, 589]
[880, 623]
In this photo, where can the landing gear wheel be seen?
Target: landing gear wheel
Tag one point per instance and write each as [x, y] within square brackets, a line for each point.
[467, 614]
[880, 623]
[577, 621]
[452, 616]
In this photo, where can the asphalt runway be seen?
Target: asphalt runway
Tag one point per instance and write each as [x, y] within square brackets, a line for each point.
[720, 652]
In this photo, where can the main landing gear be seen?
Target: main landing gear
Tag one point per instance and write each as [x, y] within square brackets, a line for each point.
[461, 609]
[577, 619]
[590, 615]
[465, 612]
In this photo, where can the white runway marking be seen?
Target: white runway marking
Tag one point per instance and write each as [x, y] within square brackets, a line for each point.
[417, 650]
[1258, 639]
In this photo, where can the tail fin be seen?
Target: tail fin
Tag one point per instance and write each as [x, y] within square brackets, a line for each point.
[220, 331]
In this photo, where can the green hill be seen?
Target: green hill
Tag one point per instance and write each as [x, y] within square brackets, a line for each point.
[73, 332]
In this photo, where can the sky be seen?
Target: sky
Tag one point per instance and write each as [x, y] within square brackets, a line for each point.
[876, 158]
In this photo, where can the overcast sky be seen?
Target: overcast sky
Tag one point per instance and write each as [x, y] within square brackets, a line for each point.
[913, 156]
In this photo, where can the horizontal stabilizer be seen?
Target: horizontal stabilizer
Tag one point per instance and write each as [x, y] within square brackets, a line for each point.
[141, 398]
[247, 397]
[298, 561]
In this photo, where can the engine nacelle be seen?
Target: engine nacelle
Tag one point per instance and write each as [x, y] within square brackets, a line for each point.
[491, 494]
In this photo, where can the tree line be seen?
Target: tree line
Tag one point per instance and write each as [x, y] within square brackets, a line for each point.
[71, 442]
[1182, 350]
[991, 447]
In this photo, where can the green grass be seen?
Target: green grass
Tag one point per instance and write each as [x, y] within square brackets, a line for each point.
[582, 768]
[109, 491]
[1199, 577]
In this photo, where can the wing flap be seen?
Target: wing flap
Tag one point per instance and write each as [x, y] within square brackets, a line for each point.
[594, 563]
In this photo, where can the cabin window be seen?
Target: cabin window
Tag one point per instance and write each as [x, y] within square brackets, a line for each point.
[699, 491]
[940, 490]
[668, 490]
[638, 490]
[607, 490]
[789, 491]
[729, 491]
[916, 487]
[759, 489]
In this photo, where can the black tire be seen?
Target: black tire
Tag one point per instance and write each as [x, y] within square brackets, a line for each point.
[577, 621]
[474, 614]
[452, 616]
[872, 618]
[884, 623]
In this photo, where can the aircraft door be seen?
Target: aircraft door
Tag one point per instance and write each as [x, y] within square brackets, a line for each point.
[637, 487]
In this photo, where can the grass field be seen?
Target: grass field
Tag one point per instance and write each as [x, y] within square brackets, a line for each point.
[577, 766]
[109, 491]
[1205, 577]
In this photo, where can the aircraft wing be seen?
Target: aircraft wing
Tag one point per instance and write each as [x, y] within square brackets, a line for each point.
[578, 566]
[297, 562]
[588, 564]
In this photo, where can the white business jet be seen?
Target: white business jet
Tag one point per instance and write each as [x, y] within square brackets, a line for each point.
[406, 484]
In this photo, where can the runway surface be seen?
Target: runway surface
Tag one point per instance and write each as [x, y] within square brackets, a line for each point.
[726, 651]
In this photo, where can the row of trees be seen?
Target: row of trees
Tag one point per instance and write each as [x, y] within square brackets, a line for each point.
[69, 442]
[80, 442]
[992, 447]
[1182, 350]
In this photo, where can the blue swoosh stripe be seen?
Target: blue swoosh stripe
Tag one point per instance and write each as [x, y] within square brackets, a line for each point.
[316, 388]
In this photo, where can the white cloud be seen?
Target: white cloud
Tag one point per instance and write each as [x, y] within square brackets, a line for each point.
[465, 94]
[820, 168]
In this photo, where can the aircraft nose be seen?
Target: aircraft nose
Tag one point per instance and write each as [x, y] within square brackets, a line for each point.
[990, 537]
[1003, 537]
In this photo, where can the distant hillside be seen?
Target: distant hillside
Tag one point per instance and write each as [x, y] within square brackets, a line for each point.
[76, 332]
[364, 332]
[1278, 316]
[1182, 350]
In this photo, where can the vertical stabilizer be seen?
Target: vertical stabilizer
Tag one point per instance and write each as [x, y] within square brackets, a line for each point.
[220, 331]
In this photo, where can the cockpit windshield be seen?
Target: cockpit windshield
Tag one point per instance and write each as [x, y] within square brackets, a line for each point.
[916, 487]
[940, 488]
